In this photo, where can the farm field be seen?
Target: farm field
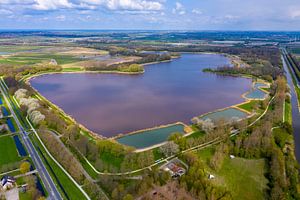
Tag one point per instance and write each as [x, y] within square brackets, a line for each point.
[8, 151]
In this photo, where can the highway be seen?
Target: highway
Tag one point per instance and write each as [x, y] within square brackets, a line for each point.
[37, 161]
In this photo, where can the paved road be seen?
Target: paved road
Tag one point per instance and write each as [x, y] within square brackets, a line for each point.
[37, 161]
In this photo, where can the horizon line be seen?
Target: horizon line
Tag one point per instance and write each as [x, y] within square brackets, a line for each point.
[171, 30]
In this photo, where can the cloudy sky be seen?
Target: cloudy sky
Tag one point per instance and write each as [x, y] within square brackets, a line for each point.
[151, 14]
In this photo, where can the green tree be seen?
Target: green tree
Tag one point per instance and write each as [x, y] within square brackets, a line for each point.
[24, 167]
[128, 197]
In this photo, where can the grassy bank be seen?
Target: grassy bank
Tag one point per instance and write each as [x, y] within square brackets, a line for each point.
[288, 112]
[248, 106]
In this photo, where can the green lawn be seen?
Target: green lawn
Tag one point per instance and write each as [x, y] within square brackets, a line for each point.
[111, 159]
[288, 112]
[196, 134]
[72, 69]
[8, 151]
[206, 153]
[24, 196]
[266, 89]
[69, 187]
[244, 178]
[249, 106]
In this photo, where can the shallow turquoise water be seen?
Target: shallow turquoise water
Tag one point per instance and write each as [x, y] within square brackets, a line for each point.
[256, 94]
[257, 85]
[151, 137]
[227, 115]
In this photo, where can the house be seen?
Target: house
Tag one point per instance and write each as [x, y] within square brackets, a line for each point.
[53, 62]
[7, 182]
[211, 176]
[3, 127]
[175, 170]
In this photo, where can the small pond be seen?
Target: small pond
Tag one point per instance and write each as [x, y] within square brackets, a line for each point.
[226, 114]
[150, 137]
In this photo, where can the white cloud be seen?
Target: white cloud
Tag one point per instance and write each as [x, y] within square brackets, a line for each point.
[61, 18]
[133, 5]
[115, 5]
[179, 9]
[231, 17]
[51, 4]
[5, 12]
[15, 1]
[294, 13]
[197, 11]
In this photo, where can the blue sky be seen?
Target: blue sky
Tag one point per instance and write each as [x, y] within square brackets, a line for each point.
[151, 14]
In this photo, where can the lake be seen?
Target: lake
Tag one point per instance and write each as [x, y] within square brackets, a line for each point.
[167, 92]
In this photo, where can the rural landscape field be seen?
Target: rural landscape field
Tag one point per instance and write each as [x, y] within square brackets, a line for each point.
[149, 99]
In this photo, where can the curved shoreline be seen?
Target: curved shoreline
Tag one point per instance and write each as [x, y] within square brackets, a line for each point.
[27, 79]
[99, 135]
[235, 106]
[152, 128]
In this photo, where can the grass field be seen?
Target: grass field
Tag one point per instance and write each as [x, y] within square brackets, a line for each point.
[72, 69]
[8, 151]
[59, 176]
[243, 177]
[196, 134]
[35, 58]
[24, 196]
[248, 106]
[288, 112]
[16, 48]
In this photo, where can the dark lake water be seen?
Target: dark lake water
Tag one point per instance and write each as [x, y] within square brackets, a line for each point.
[168, 92]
